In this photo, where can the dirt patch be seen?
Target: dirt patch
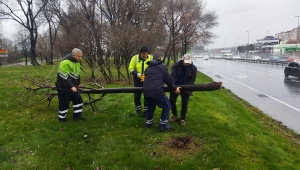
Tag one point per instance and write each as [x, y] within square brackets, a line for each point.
[181, 143]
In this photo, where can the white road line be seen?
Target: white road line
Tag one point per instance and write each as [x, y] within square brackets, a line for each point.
[259, 92]
[241, 74]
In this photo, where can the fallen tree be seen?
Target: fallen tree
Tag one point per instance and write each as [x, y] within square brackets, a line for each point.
[46, 93]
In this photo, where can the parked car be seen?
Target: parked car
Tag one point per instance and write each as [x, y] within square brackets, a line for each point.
[292, 69]
[256, 57]
[293, 58]
[274, 58]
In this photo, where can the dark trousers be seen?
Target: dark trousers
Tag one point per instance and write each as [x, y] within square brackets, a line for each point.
[64, 97]
[162, 102]
[138, 96]
[184, 104]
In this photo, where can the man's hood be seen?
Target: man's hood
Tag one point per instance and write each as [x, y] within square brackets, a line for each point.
[153, 63]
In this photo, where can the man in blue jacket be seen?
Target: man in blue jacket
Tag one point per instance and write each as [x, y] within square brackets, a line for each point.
[183, 72]
[156, 75]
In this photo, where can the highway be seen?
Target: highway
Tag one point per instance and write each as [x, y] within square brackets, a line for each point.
[262, 85]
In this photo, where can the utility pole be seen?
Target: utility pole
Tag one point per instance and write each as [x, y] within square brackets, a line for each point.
[248, 43]
[297, 35]
[237, 45]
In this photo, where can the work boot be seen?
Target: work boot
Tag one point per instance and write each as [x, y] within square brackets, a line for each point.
[174, 118]
[79, 118]
[62, 120]
[166, 128]
[182, 122]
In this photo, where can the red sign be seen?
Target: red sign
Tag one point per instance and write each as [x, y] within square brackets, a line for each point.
[3, 51]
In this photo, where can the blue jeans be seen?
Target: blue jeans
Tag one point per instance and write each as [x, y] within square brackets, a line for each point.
[162, 102]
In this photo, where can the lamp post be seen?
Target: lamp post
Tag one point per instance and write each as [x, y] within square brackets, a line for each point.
[267, 32]
[248, 43]
[297, 34]
[237, 45]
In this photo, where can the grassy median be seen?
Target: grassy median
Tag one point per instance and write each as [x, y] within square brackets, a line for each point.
[222, 132]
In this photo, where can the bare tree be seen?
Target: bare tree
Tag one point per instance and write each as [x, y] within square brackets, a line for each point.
[132, 24]
[23, 13]
[23, 44]
[196, 25]
[172, 13]
[188, 24]
[53, 22]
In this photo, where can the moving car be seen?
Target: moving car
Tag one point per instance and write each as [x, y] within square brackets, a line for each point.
[274, 58]
[293, 58]
[237, 56]
[205, 58]
[256, 57]
[292, 69]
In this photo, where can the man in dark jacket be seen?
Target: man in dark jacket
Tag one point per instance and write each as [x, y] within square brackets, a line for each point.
[156, 75]
[67, 83]
[183, 72]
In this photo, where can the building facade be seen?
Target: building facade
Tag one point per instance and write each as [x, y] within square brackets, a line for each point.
[265, 45]
[289, 35]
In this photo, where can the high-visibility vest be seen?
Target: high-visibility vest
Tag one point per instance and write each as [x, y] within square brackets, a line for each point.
[138, 64]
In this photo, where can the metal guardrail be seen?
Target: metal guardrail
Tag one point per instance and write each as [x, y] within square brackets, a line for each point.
[262, 61]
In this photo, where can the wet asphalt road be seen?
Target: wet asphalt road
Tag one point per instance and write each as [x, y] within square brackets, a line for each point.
[262, 85]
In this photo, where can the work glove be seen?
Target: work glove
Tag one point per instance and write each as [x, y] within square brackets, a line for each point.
[138, 75]
[142, 78]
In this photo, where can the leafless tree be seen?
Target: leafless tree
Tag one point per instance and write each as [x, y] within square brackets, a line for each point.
[23, 44]
[188, 24]
[23, 12]
[132, 24]
[196, 25]
[171, 16]
[52, 20]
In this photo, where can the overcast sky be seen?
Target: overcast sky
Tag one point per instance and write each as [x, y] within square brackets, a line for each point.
[236, 17]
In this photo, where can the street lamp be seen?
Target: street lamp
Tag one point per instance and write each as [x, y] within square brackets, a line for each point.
[248, 42]
[237, 44]
[297, 34]
[267, 32]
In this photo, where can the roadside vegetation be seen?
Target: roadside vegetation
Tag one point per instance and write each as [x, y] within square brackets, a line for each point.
[222, 132]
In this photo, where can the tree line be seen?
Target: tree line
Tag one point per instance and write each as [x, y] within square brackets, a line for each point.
[106, 29]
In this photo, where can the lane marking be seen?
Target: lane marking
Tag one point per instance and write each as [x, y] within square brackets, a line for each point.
[241, 74]
[259, 92]
[243, 77]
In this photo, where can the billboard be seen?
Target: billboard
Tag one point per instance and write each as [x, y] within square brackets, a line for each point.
[3, 52]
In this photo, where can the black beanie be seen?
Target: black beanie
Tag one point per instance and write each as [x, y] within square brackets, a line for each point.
[144, 49]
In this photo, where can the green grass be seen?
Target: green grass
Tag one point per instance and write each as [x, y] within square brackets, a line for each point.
[225, 131]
